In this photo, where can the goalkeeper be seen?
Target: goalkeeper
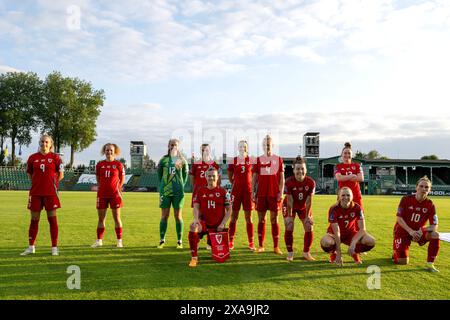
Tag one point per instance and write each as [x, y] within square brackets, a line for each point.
[172, 175]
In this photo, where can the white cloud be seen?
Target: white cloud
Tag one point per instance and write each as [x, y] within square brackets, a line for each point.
[4, 69]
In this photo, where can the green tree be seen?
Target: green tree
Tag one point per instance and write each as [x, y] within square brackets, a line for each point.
[84, 109]
[70, 112]
[21, 97]
[53, 116]
[123, 161]
[148, 164]
[430, 157]
[373, 155]
[360, 155]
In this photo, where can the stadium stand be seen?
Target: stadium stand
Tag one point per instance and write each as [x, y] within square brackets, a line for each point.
[14, 179]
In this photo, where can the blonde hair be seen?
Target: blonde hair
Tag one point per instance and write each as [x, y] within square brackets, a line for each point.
[179, 154]
[424, 178]
[245, 142]
[345, 188]
[49, 137]
[116, 149]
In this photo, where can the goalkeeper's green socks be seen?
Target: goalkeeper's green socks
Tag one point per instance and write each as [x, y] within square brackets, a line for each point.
[179, 227]
[162, 229]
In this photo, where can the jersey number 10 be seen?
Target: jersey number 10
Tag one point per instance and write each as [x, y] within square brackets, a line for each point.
[415, 217]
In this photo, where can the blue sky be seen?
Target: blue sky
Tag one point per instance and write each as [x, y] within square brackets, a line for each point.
[372, 72]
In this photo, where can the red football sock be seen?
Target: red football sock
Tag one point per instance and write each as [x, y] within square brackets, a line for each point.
[33, 231]
[275, 234]
[100, 232]
[208, 239]
[433, 249]
[232, 231]
[119, 233]
[362, 248]
[250, 233]
[193, 241]
[53, 230]
[289, 240]
[261, 233]
[307, 241]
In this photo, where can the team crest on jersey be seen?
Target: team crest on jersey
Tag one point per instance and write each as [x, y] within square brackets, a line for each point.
[50, 160]
[114, 167]
[219, 238]
[353, 167]
[352, 214]
[306, 188]
[425, 210]
[217, 194]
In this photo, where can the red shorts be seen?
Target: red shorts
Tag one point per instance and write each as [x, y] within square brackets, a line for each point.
[295, 212]
[37, 203]
[113, 203]
[267, 203]
[242, 198]
[346, 238]
[205, 229]
[402, 242]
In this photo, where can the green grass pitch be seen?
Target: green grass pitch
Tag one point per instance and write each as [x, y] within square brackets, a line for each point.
[141, 271]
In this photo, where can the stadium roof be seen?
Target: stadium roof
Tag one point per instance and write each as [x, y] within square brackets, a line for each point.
[386, 162]
[311, 134]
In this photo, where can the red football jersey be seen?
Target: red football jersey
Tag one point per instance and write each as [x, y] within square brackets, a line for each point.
[348, 169]
[198, 170]
[415, 214]
[347, 219]
[109, 174]
[241, 170]
[269, 170]
[44, 170]
[212, 204]
[300, 191]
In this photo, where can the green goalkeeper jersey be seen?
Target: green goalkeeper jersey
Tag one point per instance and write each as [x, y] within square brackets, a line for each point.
[171, 179]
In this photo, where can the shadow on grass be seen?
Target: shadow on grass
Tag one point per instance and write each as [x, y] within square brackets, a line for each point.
[151, 269]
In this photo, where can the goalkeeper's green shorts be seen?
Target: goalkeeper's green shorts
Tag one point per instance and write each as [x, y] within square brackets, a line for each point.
[176, 201]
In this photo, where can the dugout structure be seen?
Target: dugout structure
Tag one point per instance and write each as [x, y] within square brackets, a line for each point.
[390, 176]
